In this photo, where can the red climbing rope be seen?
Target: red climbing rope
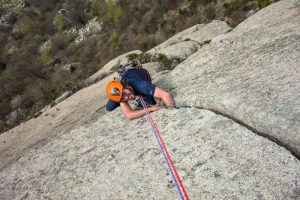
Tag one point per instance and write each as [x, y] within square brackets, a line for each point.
[181, 190]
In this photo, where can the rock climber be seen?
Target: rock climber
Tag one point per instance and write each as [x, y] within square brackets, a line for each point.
[135, 81]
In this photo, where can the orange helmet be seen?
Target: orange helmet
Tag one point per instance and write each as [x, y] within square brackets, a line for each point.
[114, 90]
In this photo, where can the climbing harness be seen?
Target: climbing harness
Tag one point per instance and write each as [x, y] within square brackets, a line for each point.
[172, 170]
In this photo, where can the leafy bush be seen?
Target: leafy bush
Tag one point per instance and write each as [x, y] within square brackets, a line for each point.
[2, 50]
[209, 12]
[195, 3]
[60, 41]
[57, 82]
[76, 14]
[264, 3]
[73, 51]
[38, 38]
[59, 22]
[113, 40]
[45, 58]
[145, 58]
[37, 11]
[98, 7]
[18, 10]
[113, 11]
[116, 66]
[132, 56]
[4, 106]
[2, 67]
[143, 40]
[230, 7]
[27, 25]
[165, 60]
[183, 12]
[87, 51]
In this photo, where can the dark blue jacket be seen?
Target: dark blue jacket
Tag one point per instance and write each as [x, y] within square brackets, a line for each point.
[138, 80]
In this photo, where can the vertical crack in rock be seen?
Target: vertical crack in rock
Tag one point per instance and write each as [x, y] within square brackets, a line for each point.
[238, 121]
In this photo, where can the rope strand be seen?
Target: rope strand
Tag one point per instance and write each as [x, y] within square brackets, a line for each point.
[167, 157]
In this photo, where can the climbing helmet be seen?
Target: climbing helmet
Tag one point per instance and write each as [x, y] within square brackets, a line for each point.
[114, 90]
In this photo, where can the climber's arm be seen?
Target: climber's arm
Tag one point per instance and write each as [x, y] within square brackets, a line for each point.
[165, 96]
[133, 114]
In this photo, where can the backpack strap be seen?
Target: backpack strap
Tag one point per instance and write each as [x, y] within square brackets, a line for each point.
[149, 79]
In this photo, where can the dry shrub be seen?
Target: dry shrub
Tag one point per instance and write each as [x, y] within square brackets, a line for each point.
[149, 21]
[113, 40]
[45, 6]
[27, 25]
[4, 107]
[209, 12]
[145, 41]
[126, 42]
[34, 92]
[60, 41]
[87, 52]
[76, 13]
[114, 12]
[16, 101]
[98, 7]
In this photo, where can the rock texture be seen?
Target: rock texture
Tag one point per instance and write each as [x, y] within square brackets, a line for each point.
[8, 15]
[62, 97]
[154, 68]
[71, 67]
[82, 107]
[187, 42]
[180, 51]
[93, 26]
[251, 74]
[242, 85]
[216, 158]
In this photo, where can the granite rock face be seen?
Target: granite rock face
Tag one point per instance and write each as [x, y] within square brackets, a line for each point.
[230, 93]
[185, 43]
[251, 74]
[215, 157]
[62, 97]
[180, 51]
[154, 67]
[63, 115]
